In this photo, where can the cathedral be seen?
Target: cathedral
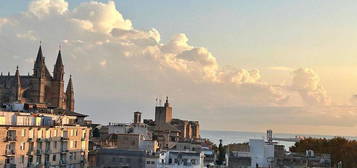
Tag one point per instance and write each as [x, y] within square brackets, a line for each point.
[41, 88]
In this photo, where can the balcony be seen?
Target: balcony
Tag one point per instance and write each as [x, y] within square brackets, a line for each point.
[64, 150]
[10, 152]
[39, 152]
[30, 152]
[63, 162]
[10, 139]
[48, 150]
[64, 138]
[10, 165]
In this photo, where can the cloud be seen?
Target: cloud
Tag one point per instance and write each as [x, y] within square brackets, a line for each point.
[139, 67]
[281, 68]
[42, 8]
[307, 83]
[353, 99]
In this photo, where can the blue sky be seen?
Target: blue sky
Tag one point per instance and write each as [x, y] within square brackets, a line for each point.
[289, 65]
[247, 33]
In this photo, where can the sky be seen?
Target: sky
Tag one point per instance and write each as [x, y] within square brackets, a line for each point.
[238, 65]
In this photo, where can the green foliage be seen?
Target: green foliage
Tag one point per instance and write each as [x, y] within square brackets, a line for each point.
[221, 154]
[96, 132]
[340, 149]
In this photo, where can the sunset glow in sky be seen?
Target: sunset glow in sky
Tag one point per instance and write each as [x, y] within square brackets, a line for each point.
[290, 66]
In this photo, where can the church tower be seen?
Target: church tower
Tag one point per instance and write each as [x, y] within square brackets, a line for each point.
[39, 67]
[70, 96]
[58, 83]
[163, 114]
[39, 73]
[17, 87]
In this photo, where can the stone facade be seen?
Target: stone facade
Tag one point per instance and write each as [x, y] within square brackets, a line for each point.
[39, 88]
[164, 122]
[32, 146]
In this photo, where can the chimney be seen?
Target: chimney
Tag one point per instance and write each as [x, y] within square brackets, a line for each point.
[137, 117]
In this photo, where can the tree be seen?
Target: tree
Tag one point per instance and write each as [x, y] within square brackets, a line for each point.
[342, 150]
[221, 154]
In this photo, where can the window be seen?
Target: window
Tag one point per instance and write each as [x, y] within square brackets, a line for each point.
[84, 134]
[48, 133]
[38, 159]
[31, 133]
[54, 157]
[23, 132]
[22, 146]
[83, 145]
[22, 159]
[39, 134]
[193, 161]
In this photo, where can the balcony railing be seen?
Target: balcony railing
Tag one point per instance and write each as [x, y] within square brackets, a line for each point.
[63, 162]
[38, 151]
[10, 165]
[10, 152]
[10, 138]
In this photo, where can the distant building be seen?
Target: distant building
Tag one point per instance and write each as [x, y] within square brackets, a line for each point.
[168, 131]
[38, 124]
[183, 159]
[40, 88]
[116, 158]
[261, 153]
[308, 159]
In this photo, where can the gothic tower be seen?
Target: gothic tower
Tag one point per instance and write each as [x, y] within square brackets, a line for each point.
[58, 83]
[18, 96]
[39, 73]
[70, 96]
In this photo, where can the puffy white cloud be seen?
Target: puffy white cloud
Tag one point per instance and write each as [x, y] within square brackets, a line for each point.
[42, 8]
[103, 16]
[308, 84]
[118, 65]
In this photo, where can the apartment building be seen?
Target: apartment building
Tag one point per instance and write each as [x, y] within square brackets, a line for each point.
[42, 146]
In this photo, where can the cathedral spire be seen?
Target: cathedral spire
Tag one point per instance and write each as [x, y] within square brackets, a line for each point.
[17, 85]
[39, 58]
[39, 63]
[59, 68]
[70, 95]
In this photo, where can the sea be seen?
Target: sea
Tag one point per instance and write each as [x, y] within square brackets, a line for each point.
[229, 137]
